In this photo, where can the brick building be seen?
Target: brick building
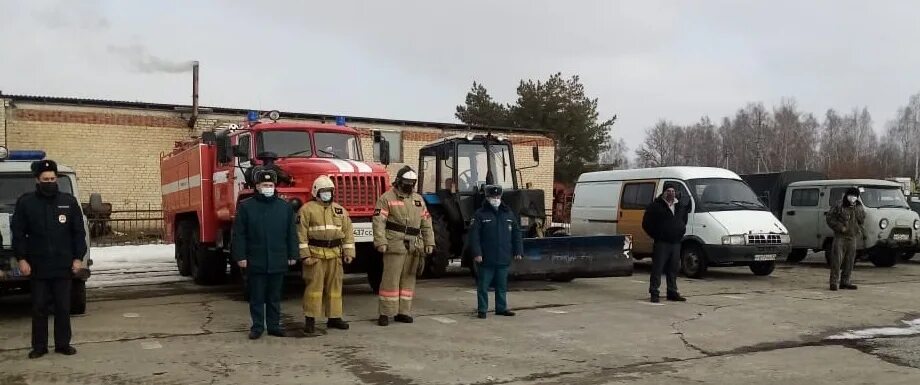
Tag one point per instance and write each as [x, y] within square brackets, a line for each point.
[115, 146]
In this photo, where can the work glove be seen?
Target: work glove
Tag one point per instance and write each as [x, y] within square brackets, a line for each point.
[310, 261]
[349, 258]
[382, 249]
[429, 250]
[291, 262]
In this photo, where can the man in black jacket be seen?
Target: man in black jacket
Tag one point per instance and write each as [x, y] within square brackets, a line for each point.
[49, 241]
[665, 220]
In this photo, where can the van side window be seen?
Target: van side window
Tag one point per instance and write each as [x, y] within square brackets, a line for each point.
[805, 197]
[837, 195]
[637, 196]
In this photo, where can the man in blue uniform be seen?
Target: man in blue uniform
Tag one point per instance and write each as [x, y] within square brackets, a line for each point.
[49, 241]
[494, 238]
[265, 245]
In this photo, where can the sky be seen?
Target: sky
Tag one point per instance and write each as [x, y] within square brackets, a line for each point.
[415, 60]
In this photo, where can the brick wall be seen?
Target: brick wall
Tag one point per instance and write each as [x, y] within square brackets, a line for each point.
[3, 107]
[116, 151]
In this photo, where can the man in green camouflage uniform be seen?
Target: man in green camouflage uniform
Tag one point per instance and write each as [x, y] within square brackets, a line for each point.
[846, 219]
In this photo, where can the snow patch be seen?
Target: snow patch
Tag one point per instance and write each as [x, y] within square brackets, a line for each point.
[911, 327]
[117, 266]
[128, 255]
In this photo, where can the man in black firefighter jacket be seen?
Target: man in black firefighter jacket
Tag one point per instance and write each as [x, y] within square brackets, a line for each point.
[665, 221]
[49, 241]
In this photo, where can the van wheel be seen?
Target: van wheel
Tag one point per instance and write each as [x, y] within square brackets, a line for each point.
[692, 261]
[78, 297]
[907, 256]
[763, 268]
[562, 278]
[886, 258]
[797, 255]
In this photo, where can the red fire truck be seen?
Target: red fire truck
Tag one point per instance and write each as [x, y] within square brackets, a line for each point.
[204, 179]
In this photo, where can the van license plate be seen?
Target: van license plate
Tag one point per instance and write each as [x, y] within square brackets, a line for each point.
[765, 257]
[901, 237]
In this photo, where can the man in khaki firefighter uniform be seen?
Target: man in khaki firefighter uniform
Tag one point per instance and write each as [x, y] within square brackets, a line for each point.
[403, 234]
[326, 239]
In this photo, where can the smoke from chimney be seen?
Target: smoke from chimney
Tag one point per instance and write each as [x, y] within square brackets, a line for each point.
[142, 61]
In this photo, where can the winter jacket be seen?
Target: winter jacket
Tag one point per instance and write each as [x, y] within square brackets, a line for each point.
[846, 220]
[495, 234]
[662, 225]
[49, 233]
[264, 235]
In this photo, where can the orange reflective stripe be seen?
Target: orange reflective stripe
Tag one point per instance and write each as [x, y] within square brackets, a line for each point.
[406, 293]
[388, 293]
[385, 212]
[396, 203]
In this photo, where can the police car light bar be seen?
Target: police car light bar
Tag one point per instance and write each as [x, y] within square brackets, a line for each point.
[27, 155]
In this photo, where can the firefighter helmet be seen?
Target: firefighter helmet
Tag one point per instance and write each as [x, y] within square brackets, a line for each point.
[405, 180]
[323, 182]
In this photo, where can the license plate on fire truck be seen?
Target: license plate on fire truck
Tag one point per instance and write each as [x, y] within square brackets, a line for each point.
[364, 232]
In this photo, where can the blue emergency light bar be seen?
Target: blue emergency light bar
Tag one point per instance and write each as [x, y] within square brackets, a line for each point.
[27, 155]
[339, 120]
[252, 116]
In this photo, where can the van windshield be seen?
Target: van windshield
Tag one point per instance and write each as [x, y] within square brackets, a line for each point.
[12, 186]
[720, 194]
[876, 197]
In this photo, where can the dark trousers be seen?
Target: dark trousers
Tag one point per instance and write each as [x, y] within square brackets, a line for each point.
[45, 292]
[492, 276]
[665, 259]
[265, 301]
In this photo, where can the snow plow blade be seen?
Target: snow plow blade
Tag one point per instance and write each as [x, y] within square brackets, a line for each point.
[566, 258]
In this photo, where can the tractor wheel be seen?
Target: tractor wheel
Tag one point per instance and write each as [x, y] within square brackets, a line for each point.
[436, 263]
[797, 255]
[208, 267]
[763, 268]
[693, 261]
[183, 236]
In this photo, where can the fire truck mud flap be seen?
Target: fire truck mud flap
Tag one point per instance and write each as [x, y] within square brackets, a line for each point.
[566, 258]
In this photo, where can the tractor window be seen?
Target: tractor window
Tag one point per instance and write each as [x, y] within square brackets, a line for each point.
[429, 179]
[473, 166]
[447, 173]
[335, 145]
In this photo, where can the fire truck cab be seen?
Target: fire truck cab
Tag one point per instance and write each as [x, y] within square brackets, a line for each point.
[203, 181]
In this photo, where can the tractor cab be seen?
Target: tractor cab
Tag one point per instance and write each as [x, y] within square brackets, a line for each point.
[453, 173]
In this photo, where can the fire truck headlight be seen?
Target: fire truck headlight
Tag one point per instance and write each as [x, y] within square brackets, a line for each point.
[4, 153]
[274, 115]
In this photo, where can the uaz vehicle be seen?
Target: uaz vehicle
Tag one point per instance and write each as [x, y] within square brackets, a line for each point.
[16, 179]
[891, 230]
[727, 226]
[204, 179]
[453, 172]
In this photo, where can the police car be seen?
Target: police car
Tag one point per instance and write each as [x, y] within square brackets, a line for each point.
[16, 179]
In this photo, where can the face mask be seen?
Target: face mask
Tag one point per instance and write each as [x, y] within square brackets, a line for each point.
[406, 188]
[852, 199]
[325, 196]
[48, 188]
[495, 202]
[267, 191]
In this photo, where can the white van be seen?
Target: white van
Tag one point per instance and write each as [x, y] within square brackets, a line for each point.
[727, 224]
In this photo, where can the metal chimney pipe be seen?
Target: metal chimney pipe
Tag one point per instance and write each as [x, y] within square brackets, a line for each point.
[194, 118]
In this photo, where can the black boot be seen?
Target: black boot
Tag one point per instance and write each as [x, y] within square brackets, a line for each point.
[654, 298]
[403, 318]
[337, 323]
[676, 297]
[383, 320]
[833, 287]
[37, 353]
[66, 350]
[847, 286]
[309, 325]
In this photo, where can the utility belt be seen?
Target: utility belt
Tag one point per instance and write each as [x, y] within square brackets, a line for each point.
[403, 229]
[331, 244]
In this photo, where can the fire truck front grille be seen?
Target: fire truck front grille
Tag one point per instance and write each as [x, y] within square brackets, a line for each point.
[359, 193]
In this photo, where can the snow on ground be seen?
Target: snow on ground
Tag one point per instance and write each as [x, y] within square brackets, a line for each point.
[133, 265]
[911, 327]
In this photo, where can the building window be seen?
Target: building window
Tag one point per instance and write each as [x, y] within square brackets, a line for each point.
[395, 139]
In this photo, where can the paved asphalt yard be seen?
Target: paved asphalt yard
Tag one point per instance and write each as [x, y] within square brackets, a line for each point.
[735, 329]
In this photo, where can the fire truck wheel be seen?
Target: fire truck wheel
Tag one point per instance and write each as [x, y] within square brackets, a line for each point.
[436, 264]
[208, 266]
[183, 262]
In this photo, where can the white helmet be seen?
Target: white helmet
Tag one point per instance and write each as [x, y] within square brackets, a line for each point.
[321, 183]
